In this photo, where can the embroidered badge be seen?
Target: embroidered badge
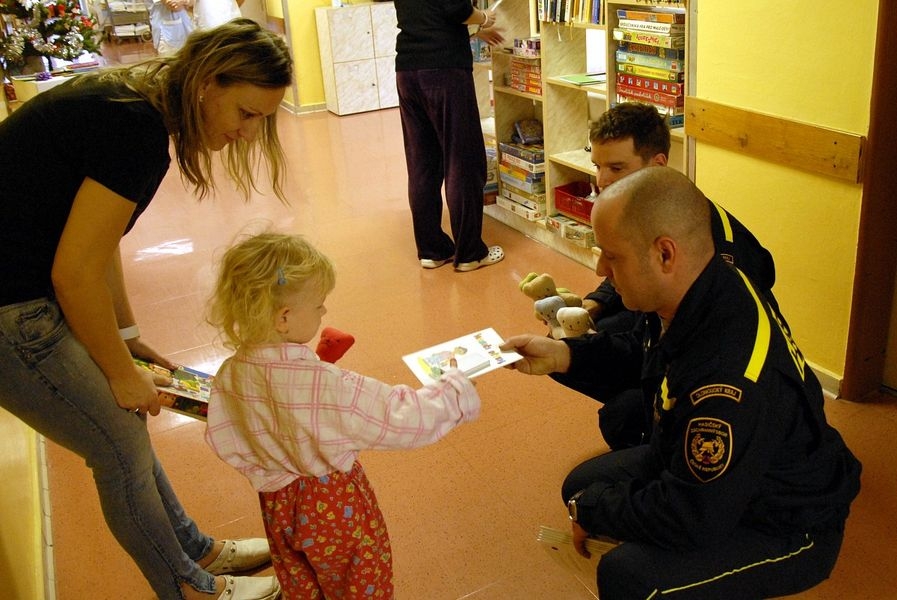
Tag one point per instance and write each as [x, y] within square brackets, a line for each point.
[715, 389]
[708, 447]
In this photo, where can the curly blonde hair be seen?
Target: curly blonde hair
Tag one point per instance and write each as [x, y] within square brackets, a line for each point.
[237, 52]
[255, 277]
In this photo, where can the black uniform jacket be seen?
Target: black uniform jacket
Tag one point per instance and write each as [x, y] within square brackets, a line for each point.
[741, 438]
[603, 364]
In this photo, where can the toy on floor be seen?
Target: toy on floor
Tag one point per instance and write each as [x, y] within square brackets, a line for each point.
[332, 344]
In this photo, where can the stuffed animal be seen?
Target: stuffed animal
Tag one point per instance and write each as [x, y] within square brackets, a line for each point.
[332, 344]
[574, 320]
[537, 286]
[547, 310]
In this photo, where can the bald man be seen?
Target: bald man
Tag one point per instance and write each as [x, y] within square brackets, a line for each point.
[744, 489]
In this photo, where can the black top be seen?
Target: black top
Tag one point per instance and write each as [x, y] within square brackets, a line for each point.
[47, 148]
[741, 436]
[433, 35]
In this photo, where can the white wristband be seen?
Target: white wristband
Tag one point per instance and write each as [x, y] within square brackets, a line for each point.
[129, 333]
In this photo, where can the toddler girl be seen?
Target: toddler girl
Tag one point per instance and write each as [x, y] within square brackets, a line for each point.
[294, 424]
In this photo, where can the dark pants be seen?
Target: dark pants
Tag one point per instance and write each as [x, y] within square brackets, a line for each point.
[746, 565]
[444, 143]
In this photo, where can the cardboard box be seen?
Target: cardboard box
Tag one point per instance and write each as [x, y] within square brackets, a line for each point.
[29, 88]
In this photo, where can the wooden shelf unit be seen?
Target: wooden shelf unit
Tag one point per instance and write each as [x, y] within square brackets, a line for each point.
[565, 109]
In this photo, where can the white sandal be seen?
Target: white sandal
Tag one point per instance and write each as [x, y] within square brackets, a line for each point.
[495, 255]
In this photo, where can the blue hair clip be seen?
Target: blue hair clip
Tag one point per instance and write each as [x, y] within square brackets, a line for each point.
[281, 278]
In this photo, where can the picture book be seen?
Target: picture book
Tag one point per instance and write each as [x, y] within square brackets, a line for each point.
[188, 393]
[474, 354]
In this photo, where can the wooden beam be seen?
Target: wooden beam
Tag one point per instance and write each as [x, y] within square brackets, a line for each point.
[790, 143]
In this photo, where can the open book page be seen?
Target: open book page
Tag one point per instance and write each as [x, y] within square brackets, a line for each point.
[188, 393]
[474, 354]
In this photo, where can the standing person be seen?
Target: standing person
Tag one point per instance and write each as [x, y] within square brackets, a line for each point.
[212, 13]
[441, 129]
[745, 488]
[171, 24]
[294, 424]
[67, 332]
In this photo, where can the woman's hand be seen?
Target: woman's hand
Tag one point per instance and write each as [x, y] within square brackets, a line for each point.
[144, 352]
[135, 391]
[491, 35]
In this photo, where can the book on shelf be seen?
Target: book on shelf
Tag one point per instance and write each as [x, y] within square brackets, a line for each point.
[473, 354]
[584, 78]
[520, 173]
[649, 50]
[188, 393]
[518, 209]
[650, 96]
[652, 27]
[645, 60]
[531, 201]
[530, 152]
[647, 83]
[651, 16]
[530, 187]
[515, 161]
[677, 76]
[649, 39]
[596, 12]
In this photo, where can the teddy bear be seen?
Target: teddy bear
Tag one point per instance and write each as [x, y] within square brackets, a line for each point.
[547, 310]
[537, 286]
[574, 321]
[332, 344]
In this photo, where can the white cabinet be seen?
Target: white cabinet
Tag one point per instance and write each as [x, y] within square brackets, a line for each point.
[358, 48]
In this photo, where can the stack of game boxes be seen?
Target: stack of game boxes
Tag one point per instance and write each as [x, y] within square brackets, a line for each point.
[650, 59]
[522, 174]
[525, 70]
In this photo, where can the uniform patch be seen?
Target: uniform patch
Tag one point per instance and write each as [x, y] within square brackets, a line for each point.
[708, 448]
[716, 389]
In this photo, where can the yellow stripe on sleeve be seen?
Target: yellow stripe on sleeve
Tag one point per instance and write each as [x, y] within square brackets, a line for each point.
[761, 342]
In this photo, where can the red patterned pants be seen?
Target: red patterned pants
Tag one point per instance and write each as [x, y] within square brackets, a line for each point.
[328, 538]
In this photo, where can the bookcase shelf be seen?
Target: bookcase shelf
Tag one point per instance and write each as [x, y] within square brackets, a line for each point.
[565, 109]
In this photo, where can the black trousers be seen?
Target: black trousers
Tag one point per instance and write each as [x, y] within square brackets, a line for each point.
[444, 144]
[747, 565]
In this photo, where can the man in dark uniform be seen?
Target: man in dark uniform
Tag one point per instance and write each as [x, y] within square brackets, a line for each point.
[744, 489]
[628, 137]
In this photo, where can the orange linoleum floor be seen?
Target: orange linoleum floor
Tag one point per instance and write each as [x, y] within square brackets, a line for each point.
[463, 514]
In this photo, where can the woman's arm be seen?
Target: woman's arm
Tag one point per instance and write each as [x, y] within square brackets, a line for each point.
[85, 258]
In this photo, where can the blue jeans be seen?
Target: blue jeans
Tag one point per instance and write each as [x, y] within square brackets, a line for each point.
[48, 380]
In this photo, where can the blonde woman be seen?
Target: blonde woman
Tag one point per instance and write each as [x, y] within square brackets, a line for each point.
[67, 333]
[294, 424]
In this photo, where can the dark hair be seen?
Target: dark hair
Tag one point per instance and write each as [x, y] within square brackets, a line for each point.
[647, 128]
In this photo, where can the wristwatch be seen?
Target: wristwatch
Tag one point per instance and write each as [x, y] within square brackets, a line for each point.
[571, 506]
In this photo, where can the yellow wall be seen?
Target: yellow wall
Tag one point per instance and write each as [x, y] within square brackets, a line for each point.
[806, 62]
[21, 548]
[304, 42]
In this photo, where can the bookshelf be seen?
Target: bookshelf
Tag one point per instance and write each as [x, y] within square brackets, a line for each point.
[565, 108]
